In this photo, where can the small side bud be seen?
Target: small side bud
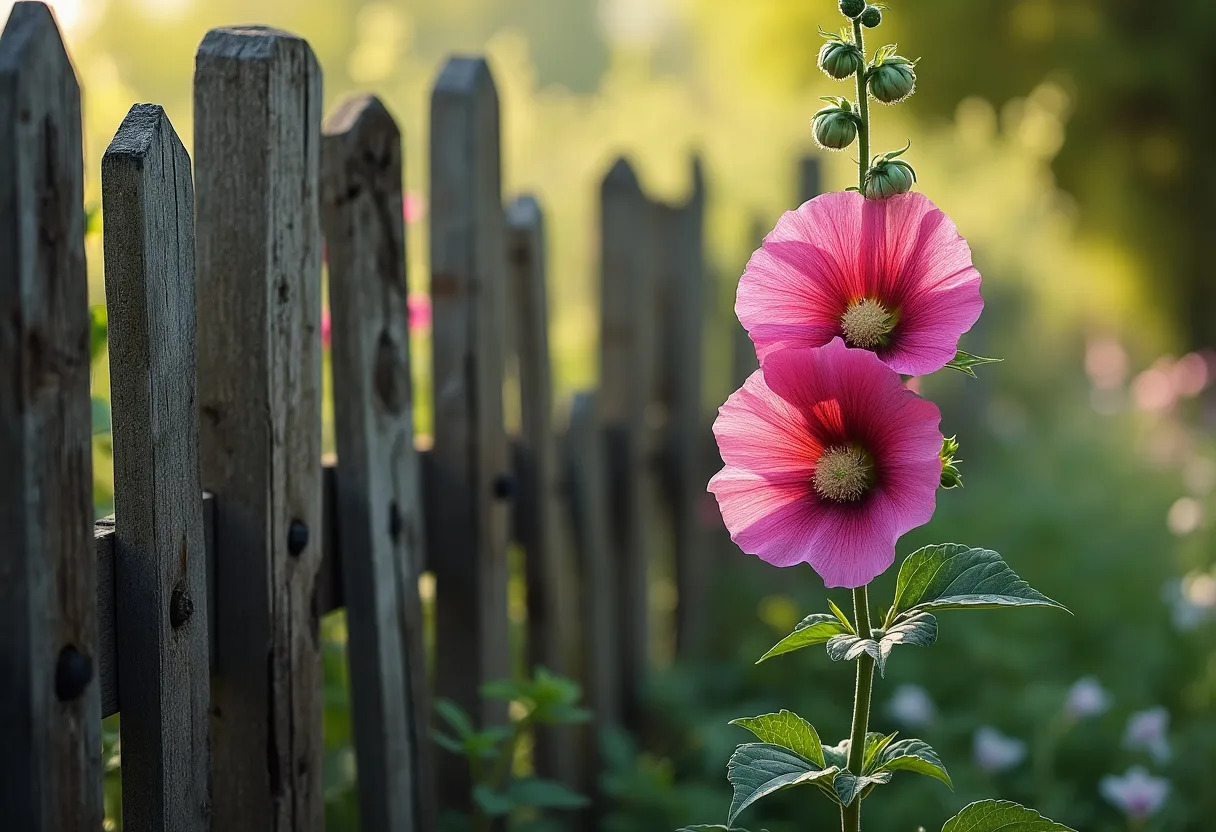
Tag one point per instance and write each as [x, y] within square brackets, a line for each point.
[951, 477]
[840, 58]
[891, 78]
[889, 175]
[871, 17]
[835, 127]
[852, 8]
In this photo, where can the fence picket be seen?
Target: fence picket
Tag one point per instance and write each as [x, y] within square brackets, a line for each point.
[627, 329]
[379, 508]
[257, 96]
[552, 629]
[586, 491]
[681, 316]
[467, 512]
[161, 558]
[50, 757]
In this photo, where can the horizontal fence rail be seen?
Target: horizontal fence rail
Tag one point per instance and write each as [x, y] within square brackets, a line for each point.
[195, 613]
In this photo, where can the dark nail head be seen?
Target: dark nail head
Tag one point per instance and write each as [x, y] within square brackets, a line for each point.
[504, 486]
[297, 537]
[181, 607]
[73, 672]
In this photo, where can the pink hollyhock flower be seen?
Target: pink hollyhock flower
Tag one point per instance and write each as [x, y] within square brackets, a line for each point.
[892, 276]
[327, 328]
[828, 460]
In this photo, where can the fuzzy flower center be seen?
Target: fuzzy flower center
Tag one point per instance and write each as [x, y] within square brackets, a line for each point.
[843, 473]
[866, 324]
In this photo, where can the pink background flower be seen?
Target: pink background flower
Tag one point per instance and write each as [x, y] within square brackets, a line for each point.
[840, 250]
[774, 435]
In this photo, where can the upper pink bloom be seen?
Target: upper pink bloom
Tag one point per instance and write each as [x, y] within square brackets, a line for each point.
[891, 275]
[829, 459]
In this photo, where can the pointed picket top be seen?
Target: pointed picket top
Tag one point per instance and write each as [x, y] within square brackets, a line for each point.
[621, 175]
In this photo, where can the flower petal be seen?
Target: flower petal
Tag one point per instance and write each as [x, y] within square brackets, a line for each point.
[903, 252]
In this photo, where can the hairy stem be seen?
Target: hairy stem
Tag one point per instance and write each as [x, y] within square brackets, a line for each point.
[850, 816]
[863, 110]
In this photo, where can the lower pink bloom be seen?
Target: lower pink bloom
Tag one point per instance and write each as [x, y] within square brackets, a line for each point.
[829, 459]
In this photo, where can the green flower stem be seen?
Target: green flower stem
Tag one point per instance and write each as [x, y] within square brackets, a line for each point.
[863, 109]
[850, 816]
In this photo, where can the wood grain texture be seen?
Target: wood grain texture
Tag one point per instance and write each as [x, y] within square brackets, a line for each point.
[468, 525]
[549, 566]
[681, 315]
[627, 384]
[329, 588]
[50, 757]
[257, 107]
[585, 480]
[379, 509]
[160, 549]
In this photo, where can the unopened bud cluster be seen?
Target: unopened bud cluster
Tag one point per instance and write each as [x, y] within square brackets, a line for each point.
[889, 78]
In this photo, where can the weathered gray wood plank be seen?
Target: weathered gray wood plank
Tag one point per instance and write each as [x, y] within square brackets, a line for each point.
[468, 522]
[50, 756]
[681, 316]
[549, 568]
[379, 502]
[627, 384]
[257, 107]
[585, 480]
[161, 557]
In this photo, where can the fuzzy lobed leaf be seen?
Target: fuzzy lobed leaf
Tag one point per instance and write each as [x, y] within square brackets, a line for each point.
[953, 576]
[757, 770]
[816, 628]
[787, 730]
[1001, 816]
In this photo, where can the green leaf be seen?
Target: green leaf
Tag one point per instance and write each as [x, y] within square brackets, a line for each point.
[454, 715]
[544, 794]
[840, 616]
[915, 756]
[965, 362]
[757, 770]
[951, 576]
[99, 330]
[484, 744]
[508, 689]
[838, 755]
[845, 648]
[849, 785]
[919, 628]
[494, 804]
[447, 743]
[787, 730]
[816, 628]
[1001, 816]
[713, 827]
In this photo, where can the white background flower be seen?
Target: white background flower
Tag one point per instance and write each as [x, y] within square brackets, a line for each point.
[1137, 793]
[994, 752]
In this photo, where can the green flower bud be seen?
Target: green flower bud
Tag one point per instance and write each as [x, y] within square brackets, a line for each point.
[951, 477]
[852, 8]
[891, 78]
[889, 176]
[871, 17]
[841, 59]
[835, 127]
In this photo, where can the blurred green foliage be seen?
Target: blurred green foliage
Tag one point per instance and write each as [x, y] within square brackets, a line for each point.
[1067, 140]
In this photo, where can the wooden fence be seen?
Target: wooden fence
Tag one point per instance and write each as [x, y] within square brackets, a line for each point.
[195, 611]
